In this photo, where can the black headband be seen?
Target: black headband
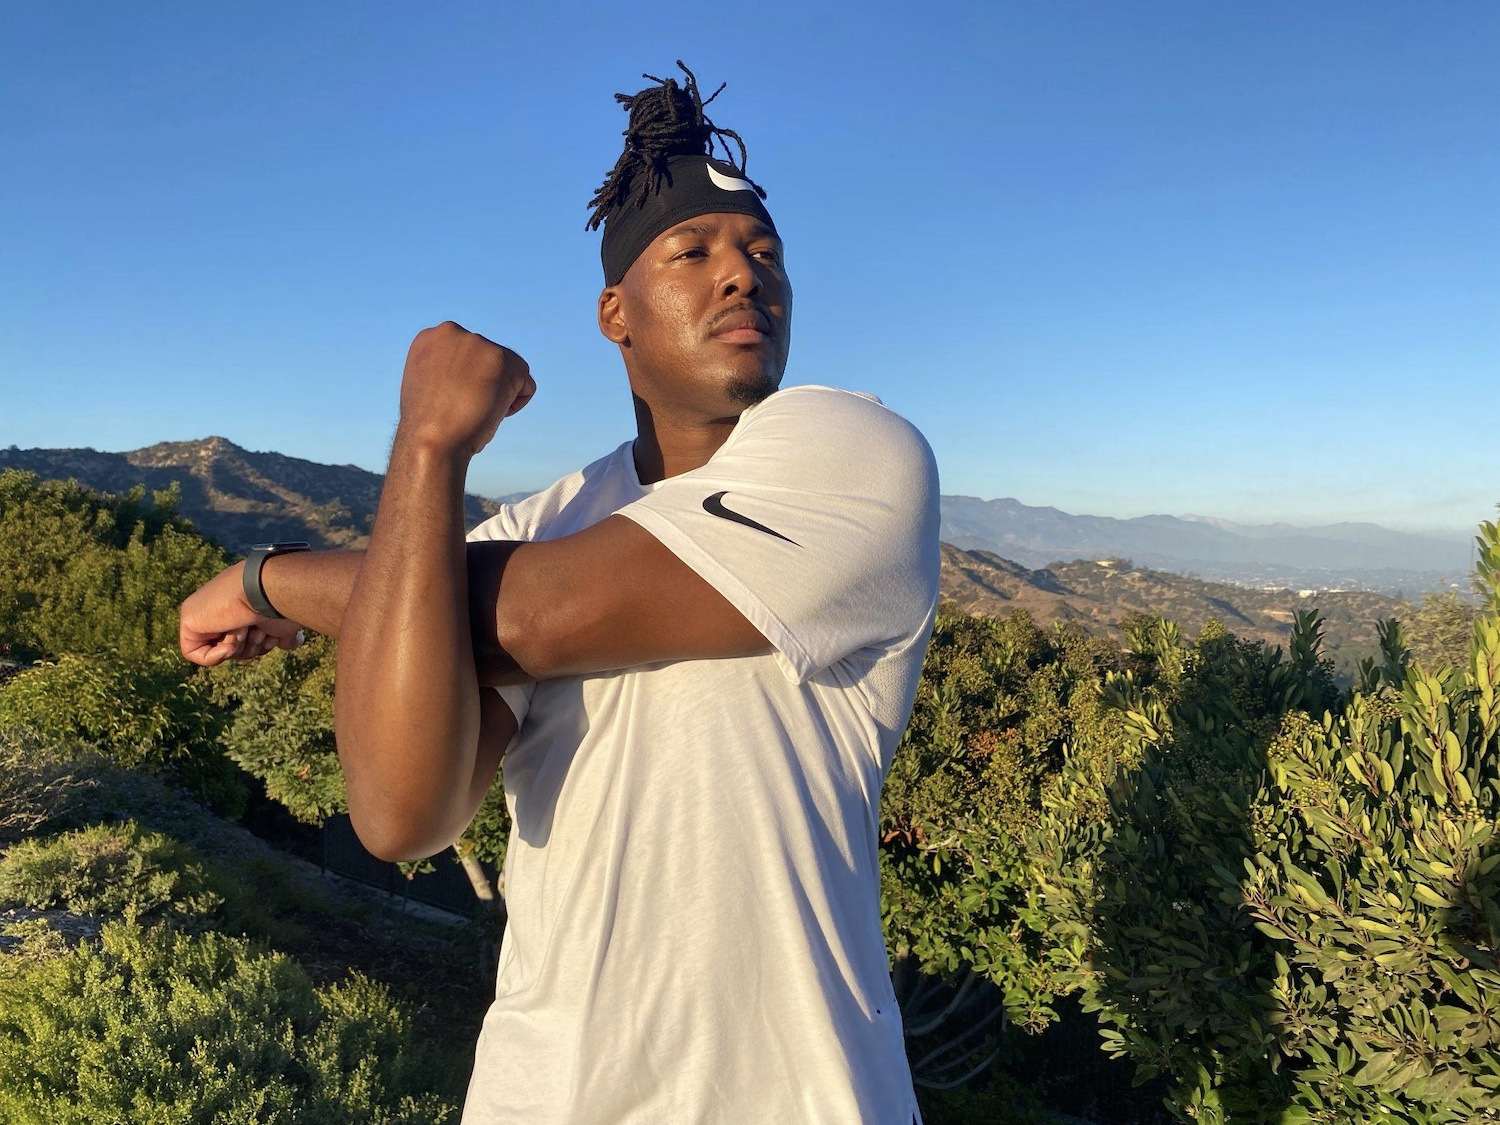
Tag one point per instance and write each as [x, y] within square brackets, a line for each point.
[693, 185]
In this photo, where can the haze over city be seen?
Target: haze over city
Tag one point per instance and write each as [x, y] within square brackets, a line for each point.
[1117, 259]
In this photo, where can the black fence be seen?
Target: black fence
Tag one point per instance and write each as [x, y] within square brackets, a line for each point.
[445, 887]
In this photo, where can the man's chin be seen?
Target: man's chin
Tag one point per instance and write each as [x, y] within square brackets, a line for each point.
[747, 390]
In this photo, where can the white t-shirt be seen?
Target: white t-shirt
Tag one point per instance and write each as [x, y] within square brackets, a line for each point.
[692, 878]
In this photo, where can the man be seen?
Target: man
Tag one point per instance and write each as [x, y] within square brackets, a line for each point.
[706, 644]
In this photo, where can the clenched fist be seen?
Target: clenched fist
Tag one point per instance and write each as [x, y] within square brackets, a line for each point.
[457, 387]
[217, 623]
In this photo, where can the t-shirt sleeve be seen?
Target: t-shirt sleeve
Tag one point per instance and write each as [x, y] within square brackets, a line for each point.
[817, 520]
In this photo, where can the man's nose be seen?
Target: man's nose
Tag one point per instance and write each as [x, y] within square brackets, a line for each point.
[741, 276]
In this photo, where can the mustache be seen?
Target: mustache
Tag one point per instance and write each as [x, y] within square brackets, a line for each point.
[740, 310]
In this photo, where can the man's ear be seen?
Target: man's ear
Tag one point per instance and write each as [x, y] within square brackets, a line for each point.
[612, 317]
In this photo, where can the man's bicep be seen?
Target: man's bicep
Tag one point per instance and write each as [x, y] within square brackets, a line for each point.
[611, 596]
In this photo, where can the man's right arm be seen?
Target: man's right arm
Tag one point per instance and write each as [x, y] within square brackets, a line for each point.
[311, 590]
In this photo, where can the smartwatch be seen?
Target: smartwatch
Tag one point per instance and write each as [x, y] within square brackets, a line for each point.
[253, 562]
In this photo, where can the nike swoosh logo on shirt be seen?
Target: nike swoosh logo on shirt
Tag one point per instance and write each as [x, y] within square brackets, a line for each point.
[714, 506]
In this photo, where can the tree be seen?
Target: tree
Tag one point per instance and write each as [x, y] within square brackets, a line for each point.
[1441, 629]
[999, 705]
[88, 572]
[1289, 907]
[89, 585]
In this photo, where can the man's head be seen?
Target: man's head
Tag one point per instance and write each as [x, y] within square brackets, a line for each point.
[696, 293]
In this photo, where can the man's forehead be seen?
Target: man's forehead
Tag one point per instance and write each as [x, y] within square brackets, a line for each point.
[707, 225]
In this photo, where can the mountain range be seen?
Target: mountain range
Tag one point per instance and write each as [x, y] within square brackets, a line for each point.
[235, 496]
[1099, 593]
[998, 555]
[1345, 555]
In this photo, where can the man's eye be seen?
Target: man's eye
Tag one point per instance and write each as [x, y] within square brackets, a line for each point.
[767, 255]
[691, 252]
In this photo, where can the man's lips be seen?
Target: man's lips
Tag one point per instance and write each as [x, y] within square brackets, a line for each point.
[741, 328]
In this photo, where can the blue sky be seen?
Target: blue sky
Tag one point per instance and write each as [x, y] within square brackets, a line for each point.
[1121, 258]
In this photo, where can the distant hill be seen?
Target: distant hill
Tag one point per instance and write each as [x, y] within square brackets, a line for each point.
[239, 497]
[1098, 595]
[1345, 555]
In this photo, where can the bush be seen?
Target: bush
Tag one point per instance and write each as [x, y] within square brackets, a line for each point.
[153, 1025]
[1290, 907]
[34, 788]
[154, 713]
[280, 729]
[108, 869]
[280, 726]
[998, 703]
[89, 572]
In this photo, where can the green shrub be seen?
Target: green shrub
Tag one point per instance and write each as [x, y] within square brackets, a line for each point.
[108, 869]
[280, 729]
[264, 893]
[154, 713]
[34, 787]
[152, 1025]
[89, 572]
[279, 726]
[1290, 906]
[997, 703]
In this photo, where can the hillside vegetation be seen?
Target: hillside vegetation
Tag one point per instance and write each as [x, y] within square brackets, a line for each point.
[1269, 896]
[238, 498]
[1103, 596]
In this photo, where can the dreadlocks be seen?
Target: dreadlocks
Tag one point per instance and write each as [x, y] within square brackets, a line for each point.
[666, 120]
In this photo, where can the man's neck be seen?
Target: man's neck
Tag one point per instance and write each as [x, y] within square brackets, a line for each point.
[667, 445]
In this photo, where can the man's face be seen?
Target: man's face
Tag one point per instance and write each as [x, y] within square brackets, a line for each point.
[703, 316]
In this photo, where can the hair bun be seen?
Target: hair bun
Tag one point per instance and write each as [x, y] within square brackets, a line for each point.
[666, 120]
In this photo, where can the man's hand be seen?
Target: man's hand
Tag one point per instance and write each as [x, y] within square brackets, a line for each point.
[217, 623]
[457, 387]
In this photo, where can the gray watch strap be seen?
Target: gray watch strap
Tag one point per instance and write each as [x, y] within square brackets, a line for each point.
[253, 562]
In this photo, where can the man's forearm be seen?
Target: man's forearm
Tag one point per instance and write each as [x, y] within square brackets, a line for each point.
[407, 706]
[312, 588]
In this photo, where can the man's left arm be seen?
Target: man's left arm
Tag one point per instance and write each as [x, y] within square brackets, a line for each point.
[610, 596]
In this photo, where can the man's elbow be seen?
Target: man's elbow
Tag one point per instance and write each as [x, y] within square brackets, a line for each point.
[535, 642]
[399, 838]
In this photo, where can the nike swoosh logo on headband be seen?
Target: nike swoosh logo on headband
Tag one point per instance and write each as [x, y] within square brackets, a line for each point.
[728, 183]
[714, 506]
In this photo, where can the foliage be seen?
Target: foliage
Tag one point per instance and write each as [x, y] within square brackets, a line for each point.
[262, 893]
[110, 869]
[280, 729]
[1382, 894]
[153, 712]
[87, 572]
[33, 787]
[1441, 629]
[1002, 1102]
[280, 726]
[1144, 920]
[998, 703]
[158, 1026]
[1290, 907]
